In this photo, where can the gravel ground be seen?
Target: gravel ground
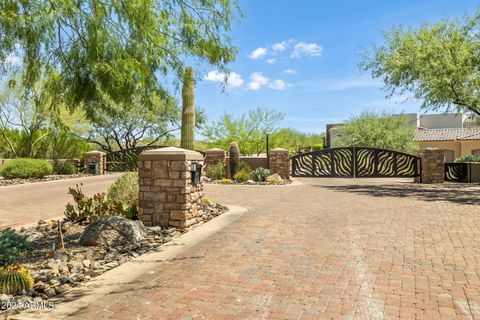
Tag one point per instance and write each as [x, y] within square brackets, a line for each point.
[56, 272]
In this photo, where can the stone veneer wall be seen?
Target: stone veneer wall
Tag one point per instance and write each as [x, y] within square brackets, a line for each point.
[279, 162]
[166, 193]
[215, 156]
[95, 156]
[433, 166]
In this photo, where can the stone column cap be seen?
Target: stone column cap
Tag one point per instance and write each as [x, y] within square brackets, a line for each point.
[279, 150]
[95, 152]
[170, 153]
[215, 150]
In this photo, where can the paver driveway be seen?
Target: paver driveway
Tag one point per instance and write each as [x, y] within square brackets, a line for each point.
[28, 203]
[327, 249]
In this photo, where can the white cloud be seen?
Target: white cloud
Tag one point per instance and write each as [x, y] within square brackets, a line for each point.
[271, 61]
[258, 53]
[278, 84]
[234, 79]
[279, 46]
[289, 71]
[306, 49]
[258, 80]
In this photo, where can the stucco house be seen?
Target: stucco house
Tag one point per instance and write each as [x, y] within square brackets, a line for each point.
[456, 133]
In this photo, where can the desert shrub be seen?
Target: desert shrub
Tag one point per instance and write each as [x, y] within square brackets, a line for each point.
[124, 191]
[216, 171]
[93, 208]
[26, 168]
[468, 158]
[12, 245]
[207, 201]
[260, 174]
[245, 167]
[273, 179]
[64, 168]
[125, 188]
[318, 146]
[226, 181]
[242, 176]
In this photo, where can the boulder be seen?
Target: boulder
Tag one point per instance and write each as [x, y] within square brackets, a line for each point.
[113, 231]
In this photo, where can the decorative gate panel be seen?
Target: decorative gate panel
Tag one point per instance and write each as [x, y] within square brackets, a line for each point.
[355, 162]
[456, 172]
[127, 159]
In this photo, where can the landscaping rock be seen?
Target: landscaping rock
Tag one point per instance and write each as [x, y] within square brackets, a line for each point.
[113, 231]
[41, 286]
[50, 292]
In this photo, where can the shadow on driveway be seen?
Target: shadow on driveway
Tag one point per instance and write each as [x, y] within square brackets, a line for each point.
[453, 192]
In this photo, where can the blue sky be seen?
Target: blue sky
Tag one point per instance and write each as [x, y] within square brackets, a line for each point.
[301, 58]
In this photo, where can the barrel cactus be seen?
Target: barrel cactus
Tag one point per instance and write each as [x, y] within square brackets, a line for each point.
[188, 111]
[234, 158]
[15, 278]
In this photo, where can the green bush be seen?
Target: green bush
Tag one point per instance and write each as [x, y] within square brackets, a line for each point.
[260, 174]
[26, 168]
[64, 168]
[216, 171]
[245, 167]
[12, 245]
[125, 189]
[318, 146]
[469, 158]
[242, 176]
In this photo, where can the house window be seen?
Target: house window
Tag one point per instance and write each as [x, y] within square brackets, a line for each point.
[449, 156]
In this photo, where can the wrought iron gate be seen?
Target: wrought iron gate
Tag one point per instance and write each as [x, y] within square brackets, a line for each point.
[126, 159]
[355, 162]
[457, 172]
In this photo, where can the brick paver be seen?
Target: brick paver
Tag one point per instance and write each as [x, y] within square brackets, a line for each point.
[27, 203]
[328, 249]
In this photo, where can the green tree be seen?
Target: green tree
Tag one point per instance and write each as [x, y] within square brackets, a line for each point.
[249, 130]
[119, 49]
[292, 139]
[27, 110]
[437, 63]
[378, 130]
[129, 125]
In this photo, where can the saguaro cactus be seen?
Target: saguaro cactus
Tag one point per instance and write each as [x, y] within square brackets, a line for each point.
[188, 111]
[234, 158]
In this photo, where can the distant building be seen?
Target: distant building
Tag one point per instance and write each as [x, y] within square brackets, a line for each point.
[456, 133]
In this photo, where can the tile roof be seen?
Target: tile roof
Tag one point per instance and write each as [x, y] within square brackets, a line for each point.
[448, 134]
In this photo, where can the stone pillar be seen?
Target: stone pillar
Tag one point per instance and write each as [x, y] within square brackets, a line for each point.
[279, 162]
[168, 196]
[215, 156]
[95, 157]
[433, 166]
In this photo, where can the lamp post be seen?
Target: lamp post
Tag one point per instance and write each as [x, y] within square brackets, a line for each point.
[268, 149]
